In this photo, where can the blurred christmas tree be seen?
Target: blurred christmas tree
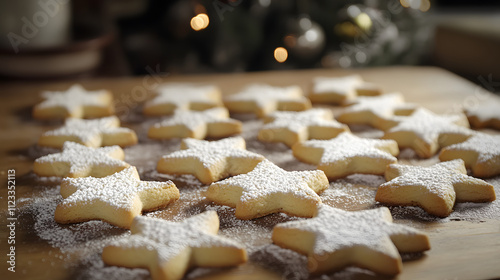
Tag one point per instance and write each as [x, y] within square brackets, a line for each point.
[237, 35]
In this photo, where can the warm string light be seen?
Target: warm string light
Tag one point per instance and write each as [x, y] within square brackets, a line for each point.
[200, 22]
[280, 54]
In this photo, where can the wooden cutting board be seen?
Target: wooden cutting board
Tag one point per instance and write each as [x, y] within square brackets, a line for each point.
[462, 248]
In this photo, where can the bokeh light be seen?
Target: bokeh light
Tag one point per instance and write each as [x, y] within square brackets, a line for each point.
[280, 54]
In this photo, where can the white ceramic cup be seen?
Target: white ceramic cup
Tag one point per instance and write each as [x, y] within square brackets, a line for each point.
[32, 24]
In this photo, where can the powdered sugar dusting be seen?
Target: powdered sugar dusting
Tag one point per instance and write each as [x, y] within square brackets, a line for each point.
[487, 146]
[266, 95]
[485, 111]
[428, 126]
[118, 190]
[339, 85]
[182, 95]
[74, 97]
[211, 153]
[382, 106]
[193, 119]
[82, 157]
[89, 131]
[347, 145]
[297, 121]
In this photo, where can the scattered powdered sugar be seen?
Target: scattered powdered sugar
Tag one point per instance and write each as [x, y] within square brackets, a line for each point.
[355, 192]
[145, 156]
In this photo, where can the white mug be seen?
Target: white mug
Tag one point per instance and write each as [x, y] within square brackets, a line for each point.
[33, 24]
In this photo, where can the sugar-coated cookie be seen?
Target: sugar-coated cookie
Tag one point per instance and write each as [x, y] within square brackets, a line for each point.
[77, 160]
[339, 90]
[212, 123]
[115, 199]
[293, 127]
[348, 154]
[186, 96]
[263, 99]
[376, 111]
[269, 189]
[168, 249]
[76, 102]
[210, 161]
[435, 189]
[91, 133]
[335, 239]
[425, 132]
[481, 153]
[485, 114]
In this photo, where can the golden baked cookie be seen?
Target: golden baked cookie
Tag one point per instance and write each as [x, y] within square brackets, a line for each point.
[76, 102]
[269, 189]
[293, 127]
[425, 132]
[435, 189]
[212, 123]
[263, 99]
[115, 199]
[185, 96]
[376, 111]
[335, 239]
[481, 153]
[348, 154]
[77, 160]
[210, 161]
[339, 90]
[485, 114]
[92, 133]
[168, 249]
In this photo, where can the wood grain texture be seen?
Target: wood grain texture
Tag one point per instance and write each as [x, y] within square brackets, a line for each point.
[460, 249]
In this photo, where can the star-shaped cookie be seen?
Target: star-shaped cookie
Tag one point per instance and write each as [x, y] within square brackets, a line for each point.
[335, 239]
[269, 189]
[348, 154]
[210, 161]
[263, 99]
[213, 123]
[377, 111]
[293, 127]
[481, 153]
[186, 96]
[484, 114]
[77, 160]
[76, 102]
[91, 133]
[433, 188]
[115, 199]
[425, 132]
[169, 249]
[338, 90]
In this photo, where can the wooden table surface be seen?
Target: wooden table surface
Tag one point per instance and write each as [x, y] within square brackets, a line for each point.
[461, 249]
